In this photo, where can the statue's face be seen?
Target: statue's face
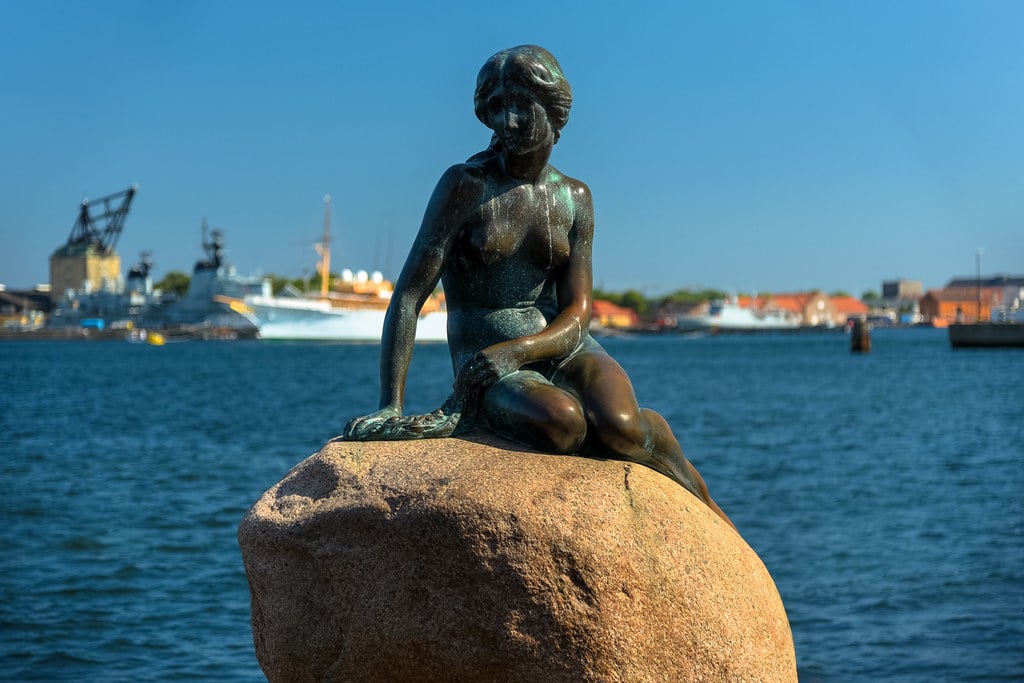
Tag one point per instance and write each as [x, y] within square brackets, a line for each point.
[518, 119]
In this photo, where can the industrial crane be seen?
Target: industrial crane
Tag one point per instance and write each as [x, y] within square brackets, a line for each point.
[100, 222]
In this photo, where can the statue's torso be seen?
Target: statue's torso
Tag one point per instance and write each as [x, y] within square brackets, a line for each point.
[500, 280]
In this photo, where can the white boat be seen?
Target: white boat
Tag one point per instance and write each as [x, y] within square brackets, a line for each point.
[349, 308]
[337, 316]
[728, 316]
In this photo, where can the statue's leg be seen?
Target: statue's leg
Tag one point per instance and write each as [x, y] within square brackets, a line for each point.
[619, 428]
[528, 409]
[664, 441]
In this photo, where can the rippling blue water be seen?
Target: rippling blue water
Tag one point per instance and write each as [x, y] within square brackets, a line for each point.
[883, 492]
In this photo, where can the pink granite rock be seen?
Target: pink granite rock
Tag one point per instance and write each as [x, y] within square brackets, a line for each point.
[456, 560]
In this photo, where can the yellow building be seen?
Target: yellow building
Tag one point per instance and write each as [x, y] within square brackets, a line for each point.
[88, 260]
[80, 266]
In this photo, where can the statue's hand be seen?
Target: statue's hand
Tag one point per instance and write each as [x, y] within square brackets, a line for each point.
[390, 425]
[359, 427]
[483, 371]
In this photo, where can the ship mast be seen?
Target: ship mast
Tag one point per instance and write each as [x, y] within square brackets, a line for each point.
[325, 249]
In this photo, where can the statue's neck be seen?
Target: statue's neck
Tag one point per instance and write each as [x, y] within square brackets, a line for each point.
[529, 166]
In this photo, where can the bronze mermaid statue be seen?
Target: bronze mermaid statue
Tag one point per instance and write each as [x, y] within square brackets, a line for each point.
[510, 239]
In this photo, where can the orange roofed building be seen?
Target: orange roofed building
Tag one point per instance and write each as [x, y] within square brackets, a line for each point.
[814, 308]
[847, 308]
[607, 314]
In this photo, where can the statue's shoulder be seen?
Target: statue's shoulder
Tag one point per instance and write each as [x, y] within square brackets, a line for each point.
[481, 164]
[472, 172]
[579, 189]
[461, 172]
[576, 187]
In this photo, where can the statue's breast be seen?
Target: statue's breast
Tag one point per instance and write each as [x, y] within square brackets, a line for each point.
[525, 222]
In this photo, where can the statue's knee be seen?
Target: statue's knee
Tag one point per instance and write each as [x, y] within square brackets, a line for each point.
[563, 429]
[623, 433]
[552, 424]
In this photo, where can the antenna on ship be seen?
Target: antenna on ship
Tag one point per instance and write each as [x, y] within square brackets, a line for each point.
[325, 249]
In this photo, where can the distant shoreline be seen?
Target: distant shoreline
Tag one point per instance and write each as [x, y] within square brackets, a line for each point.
[94, 335]
[62, 334]
[91, 334]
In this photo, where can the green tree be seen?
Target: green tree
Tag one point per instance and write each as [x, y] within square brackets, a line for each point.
[630, 299]
[637, 301]
[174, 281]
[692, 296]
[870, 295]
[277, 283]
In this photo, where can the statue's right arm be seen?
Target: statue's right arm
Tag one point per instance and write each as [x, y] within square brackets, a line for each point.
[443, 219]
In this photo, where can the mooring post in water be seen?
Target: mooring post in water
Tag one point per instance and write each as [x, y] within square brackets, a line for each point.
[860, 337]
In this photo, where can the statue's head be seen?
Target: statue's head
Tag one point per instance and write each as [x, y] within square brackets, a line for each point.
[533, 68]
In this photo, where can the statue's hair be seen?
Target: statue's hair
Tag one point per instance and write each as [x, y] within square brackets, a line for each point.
[533, 68]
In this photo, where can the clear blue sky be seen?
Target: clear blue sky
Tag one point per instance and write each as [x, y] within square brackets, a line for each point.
[769, 146]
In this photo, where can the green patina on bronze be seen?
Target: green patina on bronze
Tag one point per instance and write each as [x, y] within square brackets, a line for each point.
[510, 238]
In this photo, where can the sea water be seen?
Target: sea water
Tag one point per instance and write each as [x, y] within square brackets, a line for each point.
[882, 491]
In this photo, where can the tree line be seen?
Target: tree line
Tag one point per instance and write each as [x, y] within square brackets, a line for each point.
[177, 282]
[646, 307]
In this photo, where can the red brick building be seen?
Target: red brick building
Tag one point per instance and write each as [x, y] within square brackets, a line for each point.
[946, 305]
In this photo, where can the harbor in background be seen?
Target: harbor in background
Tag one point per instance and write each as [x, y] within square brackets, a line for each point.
[88, 297]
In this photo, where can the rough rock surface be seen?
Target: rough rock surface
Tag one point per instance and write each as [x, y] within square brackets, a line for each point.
[457, 560]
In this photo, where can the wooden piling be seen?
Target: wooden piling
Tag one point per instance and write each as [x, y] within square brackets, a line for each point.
[860, 337]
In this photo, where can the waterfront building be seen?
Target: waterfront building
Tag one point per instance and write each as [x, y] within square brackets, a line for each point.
[901, 293]
[606, 314]
[960, 304]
